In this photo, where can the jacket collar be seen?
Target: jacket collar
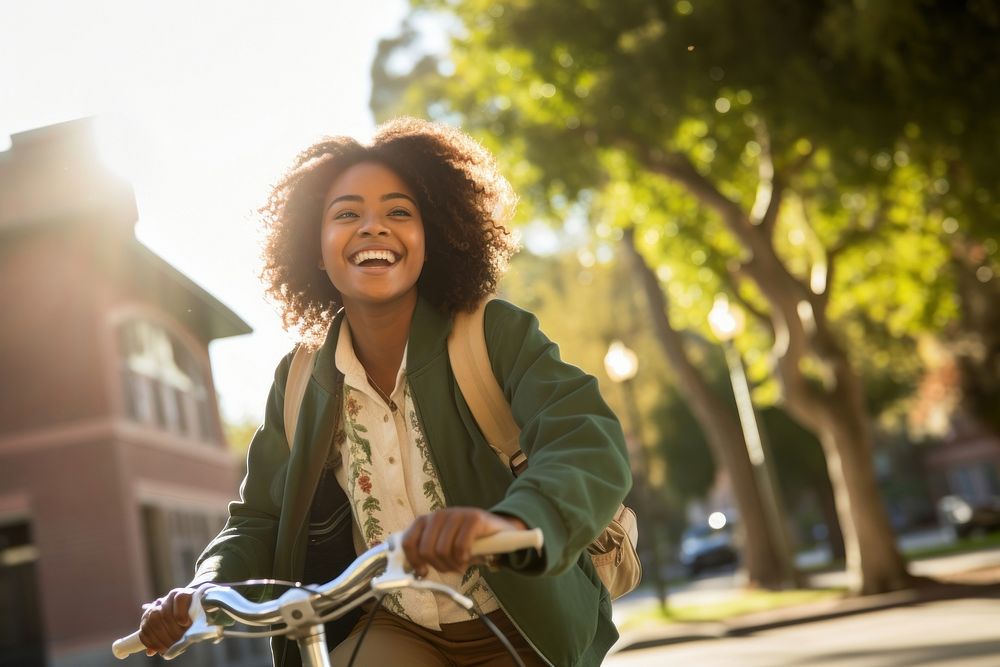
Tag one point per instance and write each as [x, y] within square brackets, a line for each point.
[429, 331]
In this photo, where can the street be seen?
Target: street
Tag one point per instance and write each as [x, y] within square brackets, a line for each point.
[963, 632]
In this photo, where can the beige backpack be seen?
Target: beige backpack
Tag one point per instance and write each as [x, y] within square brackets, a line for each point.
[613, 552]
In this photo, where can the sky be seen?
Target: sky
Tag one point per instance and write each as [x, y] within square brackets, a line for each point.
[201, 104]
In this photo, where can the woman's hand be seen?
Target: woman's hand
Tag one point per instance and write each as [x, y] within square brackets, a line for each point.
[165, 620]
[443, 540]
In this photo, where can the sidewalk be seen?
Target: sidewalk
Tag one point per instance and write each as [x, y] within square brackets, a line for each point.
[971, 574]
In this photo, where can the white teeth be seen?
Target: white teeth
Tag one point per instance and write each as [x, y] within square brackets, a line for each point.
[366, 255]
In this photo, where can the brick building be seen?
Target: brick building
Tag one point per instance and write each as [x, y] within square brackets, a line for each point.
[114, 471]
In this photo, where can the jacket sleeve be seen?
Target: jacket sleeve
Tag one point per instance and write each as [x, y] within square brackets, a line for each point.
[245, 547]
[578, 471]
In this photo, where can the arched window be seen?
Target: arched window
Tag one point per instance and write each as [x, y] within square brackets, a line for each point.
[164, 384]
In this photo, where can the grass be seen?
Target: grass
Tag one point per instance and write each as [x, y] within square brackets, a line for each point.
[963, 545]
[746, 602]
[752, 601]
[959, 546]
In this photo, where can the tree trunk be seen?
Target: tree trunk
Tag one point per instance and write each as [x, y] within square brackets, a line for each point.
[828, 508]
[874, 564]
[802, 333]
[761, 556]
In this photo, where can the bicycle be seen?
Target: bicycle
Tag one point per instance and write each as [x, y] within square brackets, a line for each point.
[301, 611]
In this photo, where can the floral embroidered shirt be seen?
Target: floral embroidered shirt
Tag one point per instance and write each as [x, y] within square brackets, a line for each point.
[386, 471]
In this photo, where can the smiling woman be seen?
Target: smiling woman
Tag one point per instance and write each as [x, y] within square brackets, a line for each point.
[435, 175]
[371, 252]
[372, 236]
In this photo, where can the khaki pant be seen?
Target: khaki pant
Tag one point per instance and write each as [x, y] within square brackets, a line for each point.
[392, 641]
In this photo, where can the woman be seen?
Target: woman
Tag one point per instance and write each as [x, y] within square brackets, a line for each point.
[398, 236]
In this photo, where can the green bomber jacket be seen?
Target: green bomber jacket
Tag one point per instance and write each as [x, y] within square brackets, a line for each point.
[578, 475]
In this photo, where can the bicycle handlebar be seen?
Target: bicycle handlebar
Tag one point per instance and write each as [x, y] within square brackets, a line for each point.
[507, 541]
[387, 557]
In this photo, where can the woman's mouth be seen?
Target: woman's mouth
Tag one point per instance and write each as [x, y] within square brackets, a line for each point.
[374, 258]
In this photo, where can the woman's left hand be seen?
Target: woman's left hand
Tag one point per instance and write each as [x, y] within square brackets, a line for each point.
[443, 539]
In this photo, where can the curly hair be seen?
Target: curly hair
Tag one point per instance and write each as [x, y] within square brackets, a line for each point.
[464, 201]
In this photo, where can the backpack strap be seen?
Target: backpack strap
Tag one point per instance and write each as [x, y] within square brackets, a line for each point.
[470, 362]
[295, 387]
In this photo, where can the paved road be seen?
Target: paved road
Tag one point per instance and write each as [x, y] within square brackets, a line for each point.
[952, 633]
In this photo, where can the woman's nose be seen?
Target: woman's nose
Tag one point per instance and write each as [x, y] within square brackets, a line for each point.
[372, 225]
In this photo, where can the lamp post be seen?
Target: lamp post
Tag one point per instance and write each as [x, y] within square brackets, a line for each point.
[727, 323]
[621, 364]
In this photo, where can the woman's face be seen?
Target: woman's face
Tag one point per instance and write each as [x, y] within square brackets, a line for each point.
[372, 236]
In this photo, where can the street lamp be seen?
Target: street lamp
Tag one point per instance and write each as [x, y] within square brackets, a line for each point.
[621, 364]
[727, 323]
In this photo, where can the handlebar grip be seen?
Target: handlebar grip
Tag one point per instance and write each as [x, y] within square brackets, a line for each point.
[126, 646]
[507, 541]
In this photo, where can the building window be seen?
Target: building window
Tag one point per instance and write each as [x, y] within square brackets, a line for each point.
[21, 636]
[164, 384]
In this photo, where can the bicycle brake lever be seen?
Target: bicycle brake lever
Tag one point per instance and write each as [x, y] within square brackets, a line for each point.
[395, 575]
[199, 631]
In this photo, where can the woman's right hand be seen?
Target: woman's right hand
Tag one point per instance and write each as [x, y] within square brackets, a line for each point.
[165, 620]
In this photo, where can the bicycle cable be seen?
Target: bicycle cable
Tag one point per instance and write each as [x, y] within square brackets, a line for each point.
[364, 631]
[282, 629]
[504, 641]
[499, 635]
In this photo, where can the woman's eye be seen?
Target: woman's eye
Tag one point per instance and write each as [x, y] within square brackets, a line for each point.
[399, 212]
[345, 215]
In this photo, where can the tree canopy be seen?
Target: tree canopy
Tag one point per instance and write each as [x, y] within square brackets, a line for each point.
[880, 111]
[826, 165]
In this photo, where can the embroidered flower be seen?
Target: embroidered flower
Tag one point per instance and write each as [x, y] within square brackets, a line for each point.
[431, 487]
[359, 456]
[353, 407]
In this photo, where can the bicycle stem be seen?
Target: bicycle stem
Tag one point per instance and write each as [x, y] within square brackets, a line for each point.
[312, 647]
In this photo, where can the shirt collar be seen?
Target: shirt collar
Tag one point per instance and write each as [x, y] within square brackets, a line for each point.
[347, 362]
[428, 335]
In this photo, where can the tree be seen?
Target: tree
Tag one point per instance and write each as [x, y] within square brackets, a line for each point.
[553, 293]
[762, 545]
[584, 321]
[801, 468]
[793, 151]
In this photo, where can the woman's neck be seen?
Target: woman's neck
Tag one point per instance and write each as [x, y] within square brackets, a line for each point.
[379, 333]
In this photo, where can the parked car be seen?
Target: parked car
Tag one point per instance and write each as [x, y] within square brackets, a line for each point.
[704, 547]
[967, 518]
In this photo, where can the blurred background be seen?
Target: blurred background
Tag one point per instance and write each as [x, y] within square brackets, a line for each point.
[770, 229]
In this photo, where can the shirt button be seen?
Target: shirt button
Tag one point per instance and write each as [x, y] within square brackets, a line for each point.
[392, 459]
[399, 501]
[385, 418]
